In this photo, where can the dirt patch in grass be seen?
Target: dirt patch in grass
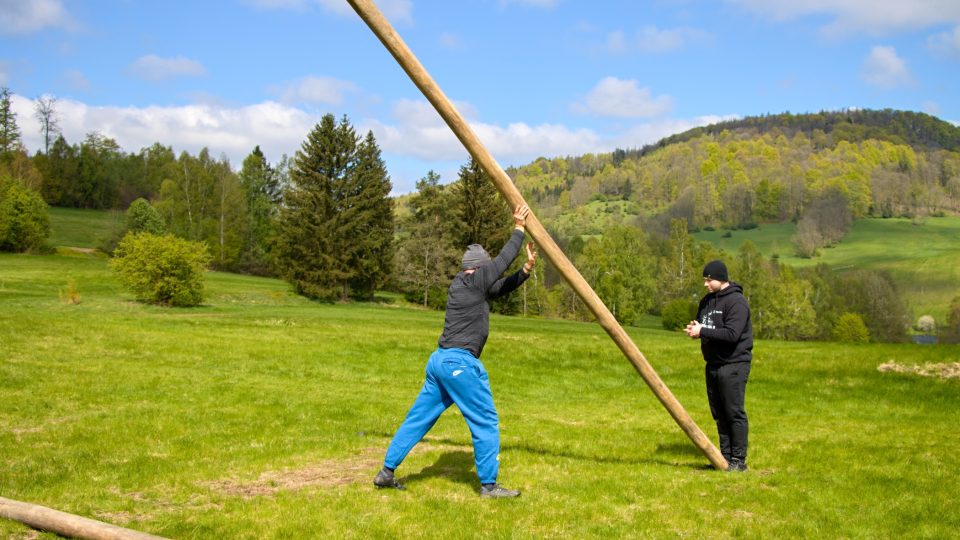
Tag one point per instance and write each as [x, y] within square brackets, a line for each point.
[947, 370]
[150, 508]
[323, 474]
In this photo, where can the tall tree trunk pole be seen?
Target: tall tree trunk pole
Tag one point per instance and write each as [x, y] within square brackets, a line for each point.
[67, 525]
[371, 15]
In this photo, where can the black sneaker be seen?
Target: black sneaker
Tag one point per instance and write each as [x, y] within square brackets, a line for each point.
[496, 491]
[385, 479]
[736, 465]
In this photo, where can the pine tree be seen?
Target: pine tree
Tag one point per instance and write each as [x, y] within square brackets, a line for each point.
[316, 231]
[9, 131]
[370, 211]
[484, 217]
[260, 184]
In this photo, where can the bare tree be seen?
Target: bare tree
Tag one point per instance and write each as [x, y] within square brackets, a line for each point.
[44, 110]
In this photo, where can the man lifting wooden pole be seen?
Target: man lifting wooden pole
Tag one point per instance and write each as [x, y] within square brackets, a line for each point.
[372, 16]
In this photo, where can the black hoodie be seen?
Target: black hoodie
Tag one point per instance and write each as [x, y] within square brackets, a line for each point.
[727, 335]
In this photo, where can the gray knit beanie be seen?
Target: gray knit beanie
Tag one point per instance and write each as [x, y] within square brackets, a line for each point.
[474, 256]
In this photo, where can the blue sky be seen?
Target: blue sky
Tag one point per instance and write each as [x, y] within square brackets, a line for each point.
[533, 77]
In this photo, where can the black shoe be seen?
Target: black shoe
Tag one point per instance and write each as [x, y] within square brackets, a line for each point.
[496, 491]
[736, 465]
[385, 479]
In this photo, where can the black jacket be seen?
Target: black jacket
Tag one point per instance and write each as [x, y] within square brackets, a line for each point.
[727, 335]
[467, 322]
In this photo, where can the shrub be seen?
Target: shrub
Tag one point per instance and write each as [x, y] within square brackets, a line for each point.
[139, 217]
[163, 270]
[142, 217]
[24, 224]
[677, 313]
[850, 329]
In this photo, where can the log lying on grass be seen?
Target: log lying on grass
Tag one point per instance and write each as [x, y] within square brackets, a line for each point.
[371, 15]
[68, 525]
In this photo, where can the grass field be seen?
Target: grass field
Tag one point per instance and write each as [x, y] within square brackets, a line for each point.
[262, 415]
[923, 258]
[73, 227]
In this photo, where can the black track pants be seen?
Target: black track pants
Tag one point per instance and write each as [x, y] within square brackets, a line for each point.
[726, 387]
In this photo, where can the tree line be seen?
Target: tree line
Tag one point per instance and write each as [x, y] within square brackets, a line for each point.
[324, 220]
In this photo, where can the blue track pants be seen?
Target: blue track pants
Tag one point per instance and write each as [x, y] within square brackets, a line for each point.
[453, 376]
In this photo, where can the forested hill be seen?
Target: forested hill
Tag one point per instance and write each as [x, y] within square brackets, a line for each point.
[849, 164]
[901, 127]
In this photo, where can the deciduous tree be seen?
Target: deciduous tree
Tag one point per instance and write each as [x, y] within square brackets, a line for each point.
[45, 111]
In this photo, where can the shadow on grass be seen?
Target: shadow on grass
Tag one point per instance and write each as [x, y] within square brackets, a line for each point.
[456, 466]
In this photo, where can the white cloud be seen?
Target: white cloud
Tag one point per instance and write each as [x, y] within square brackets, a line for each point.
[413, 142]
[4, 72]
[620, 98]
[946, 43]
[24, 17]
[155, 68]
[885, 69]
[651, 39]
[277, 128]
[315, 90]
[855, 16]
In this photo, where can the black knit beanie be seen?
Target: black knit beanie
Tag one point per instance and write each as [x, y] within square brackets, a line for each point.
[716, 270]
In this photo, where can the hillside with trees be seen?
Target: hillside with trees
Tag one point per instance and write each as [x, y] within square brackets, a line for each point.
[825, 169]
[324, 221]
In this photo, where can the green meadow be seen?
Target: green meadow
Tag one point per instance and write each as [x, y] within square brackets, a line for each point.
[923, 256]
[264, 415]
[75, 227]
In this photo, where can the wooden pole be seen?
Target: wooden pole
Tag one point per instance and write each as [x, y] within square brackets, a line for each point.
[68, 525]
[371, 15]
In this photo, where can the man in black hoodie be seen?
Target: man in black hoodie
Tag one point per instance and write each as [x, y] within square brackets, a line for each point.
[726, 341]
[454, 373]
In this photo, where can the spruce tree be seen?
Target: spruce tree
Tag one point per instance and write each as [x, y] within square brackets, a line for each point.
[369, 210]
[261, 188]
[485, 219]
[483, 215]
[315, 232]
[9, 131]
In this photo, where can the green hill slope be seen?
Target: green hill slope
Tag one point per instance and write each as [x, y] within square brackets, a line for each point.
[922, 256]
[74, 227]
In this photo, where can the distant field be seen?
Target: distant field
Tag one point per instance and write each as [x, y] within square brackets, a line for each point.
[924, 258]
[264, 415]
[73, 227]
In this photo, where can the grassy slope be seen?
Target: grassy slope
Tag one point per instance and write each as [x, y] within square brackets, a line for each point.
[262, 415]
[72, 227]
[923, 258]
